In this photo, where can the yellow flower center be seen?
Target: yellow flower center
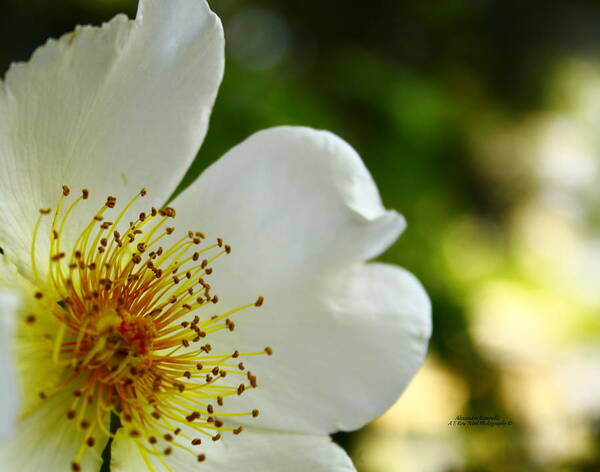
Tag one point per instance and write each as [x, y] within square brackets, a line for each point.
[132, 339]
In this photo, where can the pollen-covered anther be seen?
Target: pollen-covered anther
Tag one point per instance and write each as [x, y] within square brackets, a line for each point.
[132, 301]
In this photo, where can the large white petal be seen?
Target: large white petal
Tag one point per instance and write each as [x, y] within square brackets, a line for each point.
[292, 202]
[252, 451]
[302, 213]
[344, 349]
[111, 109]
[45, 439]
[9, 398]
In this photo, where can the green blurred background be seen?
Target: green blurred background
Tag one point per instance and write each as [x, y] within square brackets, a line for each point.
[479, 121]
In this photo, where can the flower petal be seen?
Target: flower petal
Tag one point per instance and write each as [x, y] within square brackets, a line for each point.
[252, 451]
[344, 349]
[111, 109]
[9, 398]
[302, 213]
[292, 202]
[46, 440]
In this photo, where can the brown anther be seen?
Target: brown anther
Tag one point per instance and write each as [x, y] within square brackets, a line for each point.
[196, 442]
[215, 370]
[269, 350]
[141, 247]
[216, 437]
[201, 457]
[254, 413]
[85, 193]
[168, 437]
[143, 192]
[153, 211]
[220, 401]
[136, 259]
[241, 366]
[110, 202]
[208, 378]
[30, 319]
[218, 423]
[84, 424]
[104, 242]
[176, 431]
[208, 271]
[196, 240]
[39, 295]
[235, 354]
[195, 256]
[127, 418]
[45, 211]
[185, 324]
[203, 265]
[200, 300]
[152, 440]
[187, 374]
[168, 211]
[238, 430]
[156, 415]
[71, 414]
[252, 380]
[66, 191]
[241, 389]
[167, 451]
[227, 248]
[220, 242]
[42, 396]
[175, 280]
[106, 225]
[199, 366]
[91, 442]
[169, 230]
[134, 433]
[55, 234]
[77, 393]
[75, 467]
[215, 299]
[259, 301]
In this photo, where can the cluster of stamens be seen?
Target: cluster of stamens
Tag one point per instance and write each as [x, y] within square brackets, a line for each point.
[132, 339]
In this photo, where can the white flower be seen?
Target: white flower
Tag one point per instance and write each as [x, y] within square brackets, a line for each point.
[98, 318]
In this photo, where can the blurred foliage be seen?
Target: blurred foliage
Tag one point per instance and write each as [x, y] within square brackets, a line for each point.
[412, 85]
